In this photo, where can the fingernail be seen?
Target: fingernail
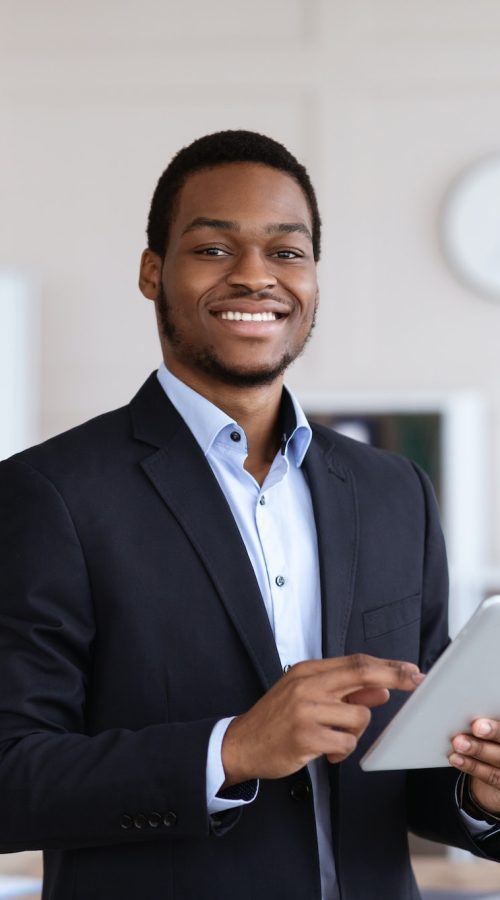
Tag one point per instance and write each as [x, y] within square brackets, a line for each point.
[462, 744]
[418, 677]
[456, 760]
[483, 728]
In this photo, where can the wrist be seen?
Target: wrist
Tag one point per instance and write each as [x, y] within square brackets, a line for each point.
[232, 757]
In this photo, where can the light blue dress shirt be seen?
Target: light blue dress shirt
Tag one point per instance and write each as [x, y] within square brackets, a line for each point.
[276, 522]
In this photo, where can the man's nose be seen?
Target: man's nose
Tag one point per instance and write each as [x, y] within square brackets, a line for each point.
[252, 270]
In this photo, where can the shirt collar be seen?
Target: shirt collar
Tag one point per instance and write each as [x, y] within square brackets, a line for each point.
[206, 421]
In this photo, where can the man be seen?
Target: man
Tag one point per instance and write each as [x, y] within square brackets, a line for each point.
[202, 601]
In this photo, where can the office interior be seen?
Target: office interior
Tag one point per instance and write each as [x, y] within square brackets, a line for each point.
[393, 106]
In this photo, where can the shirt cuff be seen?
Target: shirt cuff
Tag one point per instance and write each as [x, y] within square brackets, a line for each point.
[474, 826]
[216, 775]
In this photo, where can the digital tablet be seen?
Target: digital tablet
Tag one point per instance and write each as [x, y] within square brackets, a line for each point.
[463, 685]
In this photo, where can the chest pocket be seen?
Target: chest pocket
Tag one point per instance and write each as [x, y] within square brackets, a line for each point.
[391, 617]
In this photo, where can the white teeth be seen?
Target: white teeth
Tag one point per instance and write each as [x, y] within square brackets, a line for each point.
[248, 317]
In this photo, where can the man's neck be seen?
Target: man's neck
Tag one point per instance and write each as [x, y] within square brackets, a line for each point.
[255, 409]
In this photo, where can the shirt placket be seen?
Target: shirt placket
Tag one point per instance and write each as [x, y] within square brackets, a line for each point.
[270, 530]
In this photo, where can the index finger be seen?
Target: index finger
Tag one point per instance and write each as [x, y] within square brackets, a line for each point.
[363, 671]
[345, 674]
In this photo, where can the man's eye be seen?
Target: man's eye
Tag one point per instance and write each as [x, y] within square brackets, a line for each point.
[211, 251]
[287, 254]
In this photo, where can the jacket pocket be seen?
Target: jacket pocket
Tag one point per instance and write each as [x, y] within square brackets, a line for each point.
[392, 616]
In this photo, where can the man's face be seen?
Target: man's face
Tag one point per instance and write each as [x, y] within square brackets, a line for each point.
[238, 285]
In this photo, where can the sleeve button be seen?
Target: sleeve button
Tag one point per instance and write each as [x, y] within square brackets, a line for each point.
[140, 821]
[126, 821]
[169, 819]
[154, 819]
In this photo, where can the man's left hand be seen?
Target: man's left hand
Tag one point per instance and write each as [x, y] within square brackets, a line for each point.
[478, 755]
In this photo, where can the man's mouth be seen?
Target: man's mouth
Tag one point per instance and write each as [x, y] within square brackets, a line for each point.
[236, 316]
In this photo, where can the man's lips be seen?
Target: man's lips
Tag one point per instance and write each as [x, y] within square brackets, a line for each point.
[239, 311]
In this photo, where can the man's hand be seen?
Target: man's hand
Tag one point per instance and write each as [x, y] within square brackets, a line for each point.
[320, 707]
[478, 754]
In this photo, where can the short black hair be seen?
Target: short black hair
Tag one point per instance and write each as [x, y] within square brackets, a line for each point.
[216, 150]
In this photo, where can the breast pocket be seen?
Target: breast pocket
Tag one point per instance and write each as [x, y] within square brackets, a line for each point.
[391, 617]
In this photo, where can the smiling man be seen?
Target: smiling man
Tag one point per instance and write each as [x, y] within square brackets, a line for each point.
[237, 296]
[206, 603]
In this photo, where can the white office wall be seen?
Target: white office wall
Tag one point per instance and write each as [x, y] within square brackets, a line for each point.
[385, 100]
[19, 363]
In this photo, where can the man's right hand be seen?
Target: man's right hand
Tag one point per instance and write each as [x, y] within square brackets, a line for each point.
[319, 708]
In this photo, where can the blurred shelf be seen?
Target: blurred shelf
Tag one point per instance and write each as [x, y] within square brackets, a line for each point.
[476, 875]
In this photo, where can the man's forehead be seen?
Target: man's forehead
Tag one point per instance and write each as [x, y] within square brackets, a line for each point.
[235, 192]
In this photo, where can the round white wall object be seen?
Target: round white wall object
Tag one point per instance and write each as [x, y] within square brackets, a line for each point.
[470, 227]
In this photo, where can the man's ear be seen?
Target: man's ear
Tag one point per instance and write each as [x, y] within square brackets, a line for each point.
[150, 274]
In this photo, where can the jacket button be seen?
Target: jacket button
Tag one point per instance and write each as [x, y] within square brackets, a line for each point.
[299, 790]
[126, 821]
[140, 821]
[154, 819]
[169, 819]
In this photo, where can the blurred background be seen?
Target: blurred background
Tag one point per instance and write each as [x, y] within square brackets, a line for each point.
[387, 102]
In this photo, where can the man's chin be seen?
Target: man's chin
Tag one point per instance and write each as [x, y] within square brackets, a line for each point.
[239, 376]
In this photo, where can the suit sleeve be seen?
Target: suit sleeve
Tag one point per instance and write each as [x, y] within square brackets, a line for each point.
[432, 805]
[61, 787]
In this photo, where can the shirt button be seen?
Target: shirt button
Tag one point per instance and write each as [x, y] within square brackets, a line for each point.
[280, 580]
[235, 436]
[286, 668]
[262, 500]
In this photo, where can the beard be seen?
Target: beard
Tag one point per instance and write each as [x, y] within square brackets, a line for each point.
[205, 359]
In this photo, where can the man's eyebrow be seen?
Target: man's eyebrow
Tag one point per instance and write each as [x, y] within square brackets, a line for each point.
[205, 222]
[288, 228]
[228, 225]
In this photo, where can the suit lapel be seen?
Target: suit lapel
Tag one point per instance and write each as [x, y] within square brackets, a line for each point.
[333, 495]
[183, 478]
[180, 473]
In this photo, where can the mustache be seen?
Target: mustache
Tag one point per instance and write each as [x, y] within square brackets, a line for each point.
[242, 294]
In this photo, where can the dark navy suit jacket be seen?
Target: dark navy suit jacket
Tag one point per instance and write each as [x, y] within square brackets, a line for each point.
[131, 621]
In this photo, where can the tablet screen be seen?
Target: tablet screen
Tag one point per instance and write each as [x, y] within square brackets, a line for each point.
[463, 685]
